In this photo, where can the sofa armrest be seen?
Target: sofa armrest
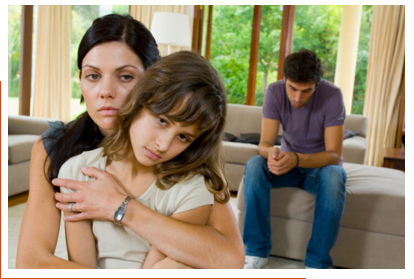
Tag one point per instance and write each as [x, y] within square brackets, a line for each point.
[28, 125]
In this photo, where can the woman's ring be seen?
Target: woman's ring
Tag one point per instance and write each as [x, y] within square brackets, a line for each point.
[70, 206]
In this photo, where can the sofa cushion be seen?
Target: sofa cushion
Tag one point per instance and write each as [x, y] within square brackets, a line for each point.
[373, 196]
[20, 147]
[239, 153]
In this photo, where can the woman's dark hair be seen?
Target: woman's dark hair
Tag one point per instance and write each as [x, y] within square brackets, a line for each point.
[303, 66]
[83, 134]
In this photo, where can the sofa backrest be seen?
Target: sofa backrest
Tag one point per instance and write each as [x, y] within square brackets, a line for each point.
[27, 125]
[248, 119]
[243, 119]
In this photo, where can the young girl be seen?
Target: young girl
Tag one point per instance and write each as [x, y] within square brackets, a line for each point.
[165, 154]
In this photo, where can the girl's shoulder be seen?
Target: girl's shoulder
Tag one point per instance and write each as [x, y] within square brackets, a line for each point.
[92, 158]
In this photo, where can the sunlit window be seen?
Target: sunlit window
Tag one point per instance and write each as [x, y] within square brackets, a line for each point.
[14, 22]
[267, 67]
[230, 48]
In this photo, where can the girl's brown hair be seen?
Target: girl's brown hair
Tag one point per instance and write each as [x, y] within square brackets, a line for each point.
[187, 89]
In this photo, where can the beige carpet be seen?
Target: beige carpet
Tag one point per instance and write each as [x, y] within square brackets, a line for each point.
[15, 215]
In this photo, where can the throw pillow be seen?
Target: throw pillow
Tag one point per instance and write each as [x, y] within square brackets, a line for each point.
[229, 137]
[253, 138]
[350, 133]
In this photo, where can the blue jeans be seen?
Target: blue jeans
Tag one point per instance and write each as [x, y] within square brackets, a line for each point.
[327, 183]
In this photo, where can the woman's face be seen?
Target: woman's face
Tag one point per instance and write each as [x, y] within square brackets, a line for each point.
[158, 139]
[109, 72]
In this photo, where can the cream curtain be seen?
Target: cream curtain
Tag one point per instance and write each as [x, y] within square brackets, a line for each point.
[385, 74]
[144, 14]
[52, 89]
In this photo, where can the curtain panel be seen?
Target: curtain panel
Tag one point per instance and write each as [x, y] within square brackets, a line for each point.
[52, 89]
[384, 79]
[144, 14]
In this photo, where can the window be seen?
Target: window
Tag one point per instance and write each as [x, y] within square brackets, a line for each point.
[362, 61]
[230, 48]
[82, 18]
[270, 29]
[317, 28]
[14, 22]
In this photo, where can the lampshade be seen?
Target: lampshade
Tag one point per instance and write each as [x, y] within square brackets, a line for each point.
[171, 29]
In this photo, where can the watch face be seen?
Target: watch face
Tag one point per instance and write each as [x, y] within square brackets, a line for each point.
[119, 213]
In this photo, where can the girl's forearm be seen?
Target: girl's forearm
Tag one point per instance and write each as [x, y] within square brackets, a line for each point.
[216, 245]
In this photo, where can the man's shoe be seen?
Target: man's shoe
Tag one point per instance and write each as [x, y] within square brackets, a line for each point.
[252, 262]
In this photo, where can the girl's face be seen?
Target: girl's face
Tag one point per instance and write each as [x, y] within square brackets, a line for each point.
[109, 72]
[157, 139]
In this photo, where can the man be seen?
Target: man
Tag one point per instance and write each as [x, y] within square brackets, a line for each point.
[312, 114]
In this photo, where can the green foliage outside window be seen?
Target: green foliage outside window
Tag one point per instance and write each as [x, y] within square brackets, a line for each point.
[316, 27]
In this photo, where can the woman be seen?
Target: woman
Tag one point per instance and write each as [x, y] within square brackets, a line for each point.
[133, 49]
[166, 152]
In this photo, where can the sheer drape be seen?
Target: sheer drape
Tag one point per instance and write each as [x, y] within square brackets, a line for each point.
[384, 79]
[52, 89]
[144, 14]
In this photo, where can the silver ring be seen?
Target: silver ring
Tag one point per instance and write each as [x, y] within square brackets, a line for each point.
[70, 206]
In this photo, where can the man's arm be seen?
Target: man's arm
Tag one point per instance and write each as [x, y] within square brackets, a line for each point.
[331, 155]
[268, 136]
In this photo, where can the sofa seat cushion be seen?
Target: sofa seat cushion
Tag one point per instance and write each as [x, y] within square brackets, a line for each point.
[239, 153]
[374, 196]
[20, 147]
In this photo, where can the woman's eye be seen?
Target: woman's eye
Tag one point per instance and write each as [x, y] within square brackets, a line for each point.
[127, 77]
[92, 76]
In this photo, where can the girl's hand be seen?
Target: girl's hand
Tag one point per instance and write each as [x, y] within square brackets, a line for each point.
[97, 199]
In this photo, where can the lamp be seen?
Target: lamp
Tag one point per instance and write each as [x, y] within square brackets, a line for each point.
[171, 29]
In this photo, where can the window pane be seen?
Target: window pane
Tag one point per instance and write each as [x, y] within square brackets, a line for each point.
[230, 48]
[82, 18]
[14, 22]
[270, 28]
[317, 28]
[362, 61]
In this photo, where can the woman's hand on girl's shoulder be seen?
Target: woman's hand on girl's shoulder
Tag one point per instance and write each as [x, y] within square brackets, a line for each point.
[98, 199]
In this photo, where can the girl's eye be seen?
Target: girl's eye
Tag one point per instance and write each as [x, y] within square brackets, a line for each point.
[183, 138]
[126, 78]
[162, 121]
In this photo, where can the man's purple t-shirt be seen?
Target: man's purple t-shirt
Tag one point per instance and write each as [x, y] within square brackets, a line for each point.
[303, 128]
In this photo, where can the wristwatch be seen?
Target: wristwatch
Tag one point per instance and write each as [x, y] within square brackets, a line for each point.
[119, 213]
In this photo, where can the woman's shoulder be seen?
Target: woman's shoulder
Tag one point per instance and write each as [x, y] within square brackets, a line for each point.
[92, 158]
[55, 132]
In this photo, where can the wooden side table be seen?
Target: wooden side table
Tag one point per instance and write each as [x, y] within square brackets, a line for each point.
[394, 158]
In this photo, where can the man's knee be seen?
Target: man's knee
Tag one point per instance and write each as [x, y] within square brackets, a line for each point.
[255, 165]
[334, 177]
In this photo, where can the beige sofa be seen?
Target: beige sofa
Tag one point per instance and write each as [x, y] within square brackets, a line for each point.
[372, 233]
[243, 119]
[22, 133]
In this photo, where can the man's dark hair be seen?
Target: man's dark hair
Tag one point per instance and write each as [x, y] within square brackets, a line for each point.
[303, 66]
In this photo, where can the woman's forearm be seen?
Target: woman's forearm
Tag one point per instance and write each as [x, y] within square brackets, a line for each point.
[216, 245]
[41, 220]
